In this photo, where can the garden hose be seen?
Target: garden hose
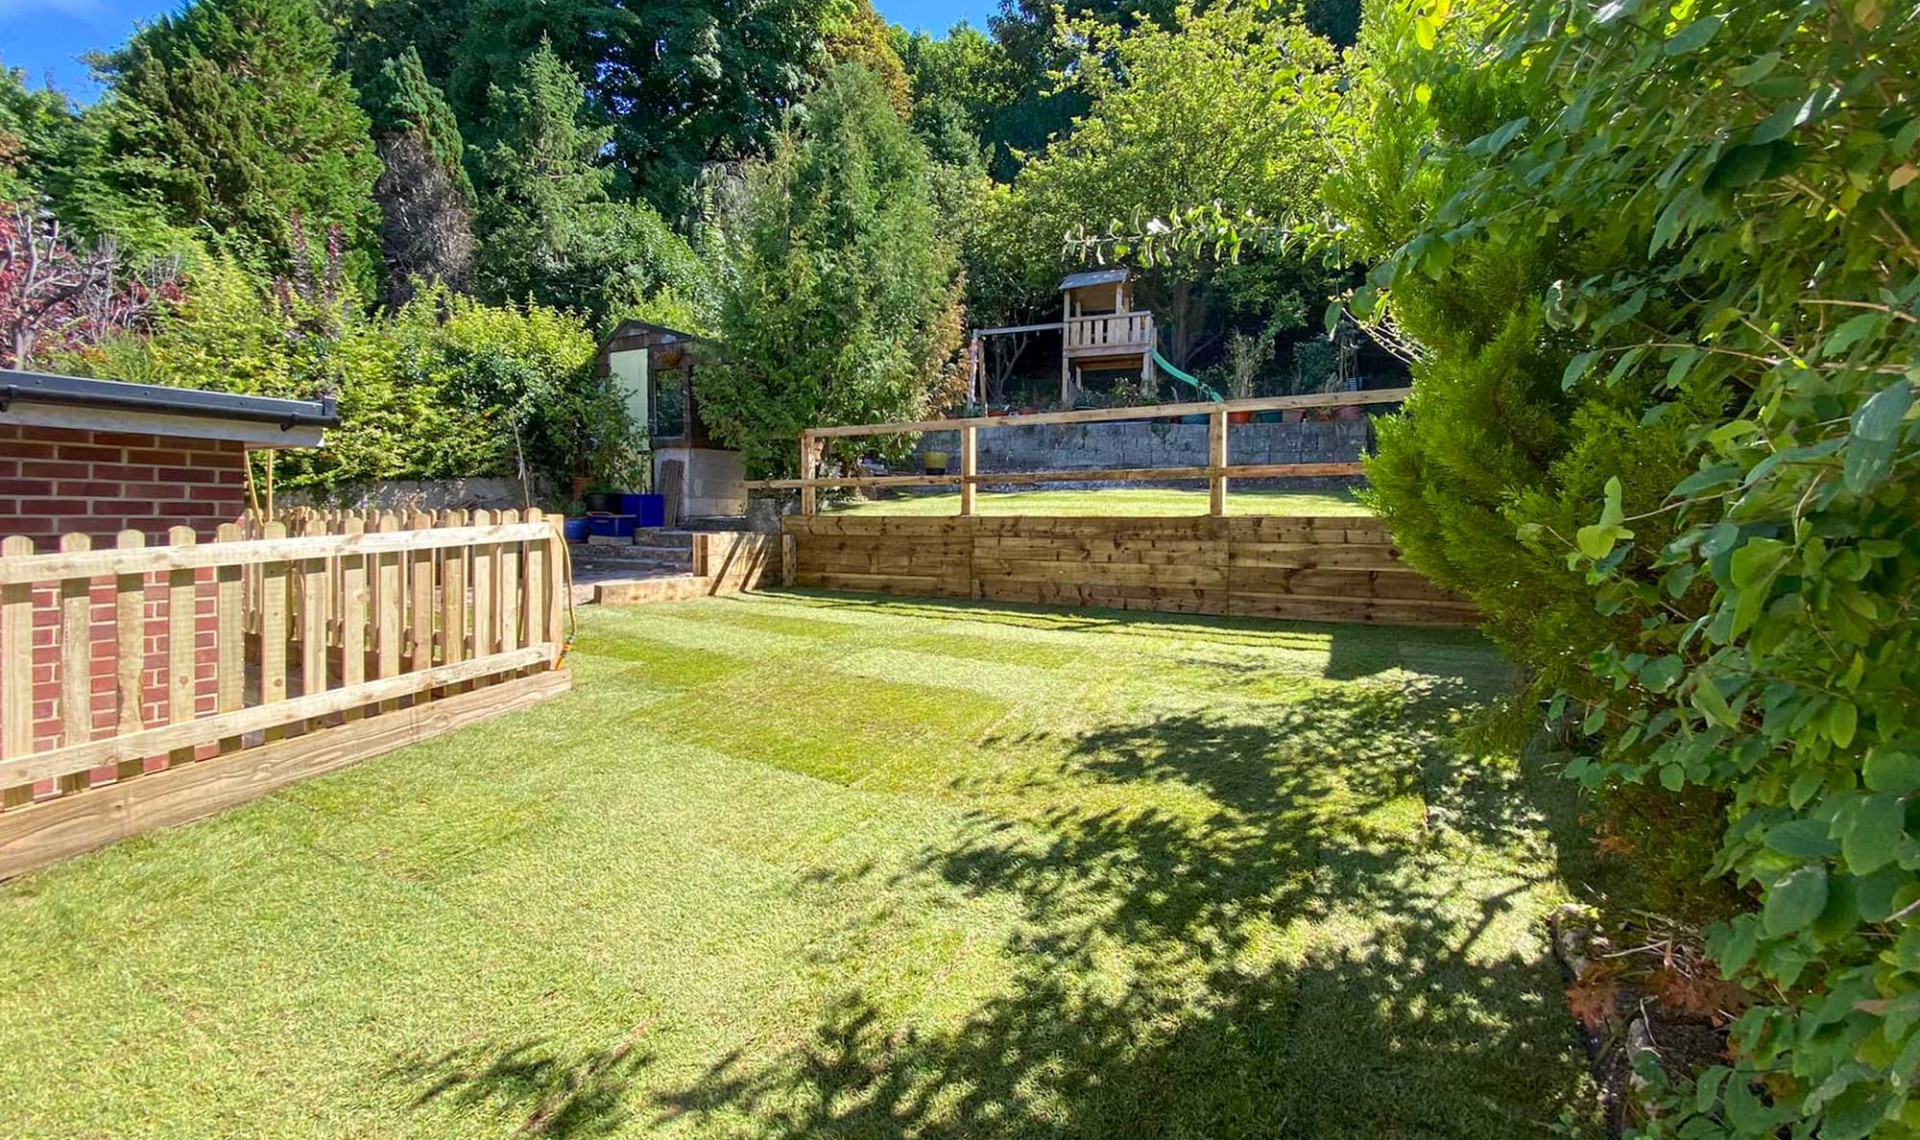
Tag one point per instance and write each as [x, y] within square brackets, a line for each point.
[573, 623]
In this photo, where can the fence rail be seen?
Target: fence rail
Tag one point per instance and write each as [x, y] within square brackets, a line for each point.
[1217, 472]
[128, 667]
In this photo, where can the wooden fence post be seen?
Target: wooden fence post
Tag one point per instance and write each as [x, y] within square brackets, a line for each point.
[274, 578]
[183, 628]
[355, 610]
[969, 464]
[539, 555]
[453, 597]
[230, 635]
[130, 622]
[16, 669]
[420, 607]
[808, 503]
[1217, 463]
[510, 556]
[76, 647]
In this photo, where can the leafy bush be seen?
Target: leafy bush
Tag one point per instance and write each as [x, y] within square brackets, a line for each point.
[444, 387]
[1691, 401]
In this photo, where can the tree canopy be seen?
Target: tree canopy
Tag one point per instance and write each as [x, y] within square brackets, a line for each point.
[239, 159]
[845, 304]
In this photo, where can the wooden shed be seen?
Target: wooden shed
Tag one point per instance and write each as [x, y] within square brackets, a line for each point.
[654, 367]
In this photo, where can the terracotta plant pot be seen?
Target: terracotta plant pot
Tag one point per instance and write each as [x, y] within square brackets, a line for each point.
[1348, 413]
[1239, 417]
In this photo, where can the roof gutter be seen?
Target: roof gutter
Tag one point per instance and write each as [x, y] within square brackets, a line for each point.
[74, 391]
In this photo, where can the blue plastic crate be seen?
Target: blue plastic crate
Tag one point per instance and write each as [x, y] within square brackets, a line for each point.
[611, 526]
[650, 510]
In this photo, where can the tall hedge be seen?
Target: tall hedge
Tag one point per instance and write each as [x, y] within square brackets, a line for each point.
[1682, 265]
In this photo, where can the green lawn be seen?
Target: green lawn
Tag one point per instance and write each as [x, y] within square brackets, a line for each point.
[811, 865]
[1114, 501]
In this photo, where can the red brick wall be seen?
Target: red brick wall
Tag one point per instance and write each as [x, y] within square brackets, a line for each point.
[56, 481]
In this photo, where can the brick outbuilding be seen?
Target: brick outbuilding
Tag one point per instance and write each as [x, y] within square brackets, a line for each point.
[96, 457]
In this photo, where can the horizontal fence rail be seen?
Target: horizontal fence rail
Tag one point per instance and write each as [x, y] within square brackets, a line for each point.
[1218, 471]
[124, 669]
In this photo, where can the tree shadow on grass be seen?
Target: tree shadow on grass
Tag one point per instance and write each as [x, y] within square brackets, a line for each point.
[552, 1093]
[1341, 939]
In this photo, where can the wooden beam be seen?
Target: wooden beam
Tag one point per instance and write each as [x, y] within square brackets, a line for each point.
[1088, 475]
[1217, 459]
[153, 741]
[969, 461]
[809, 505]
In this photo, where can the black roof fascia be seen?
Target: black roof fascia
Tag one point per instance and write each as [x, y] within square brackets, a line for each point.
[76, 391]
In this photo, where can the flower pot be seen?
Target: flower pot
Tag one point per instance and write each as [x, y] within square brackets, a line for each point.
[934, 462]
[602, 503]
[1293, 415]
[1348, 413]
[575, 529]
[1199, 418]
[1273, 417]
[1239, 417]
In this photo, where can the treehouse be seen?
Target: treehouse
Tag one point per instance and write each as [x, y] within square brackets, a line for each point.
[1100, 330]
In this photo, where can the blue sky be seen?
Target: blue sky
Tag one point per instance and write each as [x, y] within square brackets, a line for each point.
[46, 37]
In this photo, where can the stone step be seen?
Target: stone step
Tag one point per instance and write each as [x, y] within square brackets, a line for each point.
[664, 539]
[680, 558]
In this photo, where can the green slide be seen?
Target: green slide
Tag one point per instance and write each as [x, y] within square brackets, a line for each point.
[1200, 387]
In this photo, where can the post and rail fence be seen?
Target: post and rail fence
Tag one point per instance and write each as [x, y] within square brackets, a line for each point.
[1218, 471]
[148, 684]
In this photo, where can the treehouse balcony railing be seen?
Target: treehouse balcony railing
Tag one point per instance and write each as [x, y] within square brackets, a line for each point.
[1110, 334]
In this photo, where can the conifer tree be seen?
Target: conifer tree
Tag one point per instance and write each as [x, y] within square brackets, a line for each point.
[231, 114]
[426, 198]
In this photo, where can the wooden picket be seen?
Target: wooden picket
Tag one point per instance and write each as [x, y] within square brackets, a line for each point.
[274, 651]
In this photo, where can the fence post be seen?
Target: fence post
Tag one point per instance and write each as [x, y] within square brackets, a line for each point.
[808, 504]
[183, 628]
[274, 578]
[76, 649]
[969, 463]
[420, 586]
[1217, 461]
[539, 554]
[229, 635]
[510, 587]
[130, 626]
[313, 616]
[16, 667]
[355, 607]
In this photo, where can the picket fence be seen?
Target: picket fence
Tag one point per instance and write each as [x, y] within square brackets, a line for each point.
[144, 684]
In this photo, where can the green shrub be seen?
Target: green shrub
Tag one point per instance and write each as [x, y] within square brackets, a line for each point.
[1670, 311]
[445, 387]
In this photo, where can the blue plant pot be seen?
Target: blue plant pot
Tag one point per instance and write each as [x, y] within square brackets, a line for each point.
[575, 530]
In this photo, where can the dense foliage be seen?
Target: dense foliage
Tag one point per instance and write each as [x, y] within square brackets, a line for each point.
[239, 159]
[1693, 221]
[426, 199]
[1219, 109]
[549, 230]
[845, 303]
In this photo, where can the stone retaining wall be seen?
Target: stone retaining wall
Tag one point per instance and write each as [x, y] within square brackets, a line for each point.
[1140, 444]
